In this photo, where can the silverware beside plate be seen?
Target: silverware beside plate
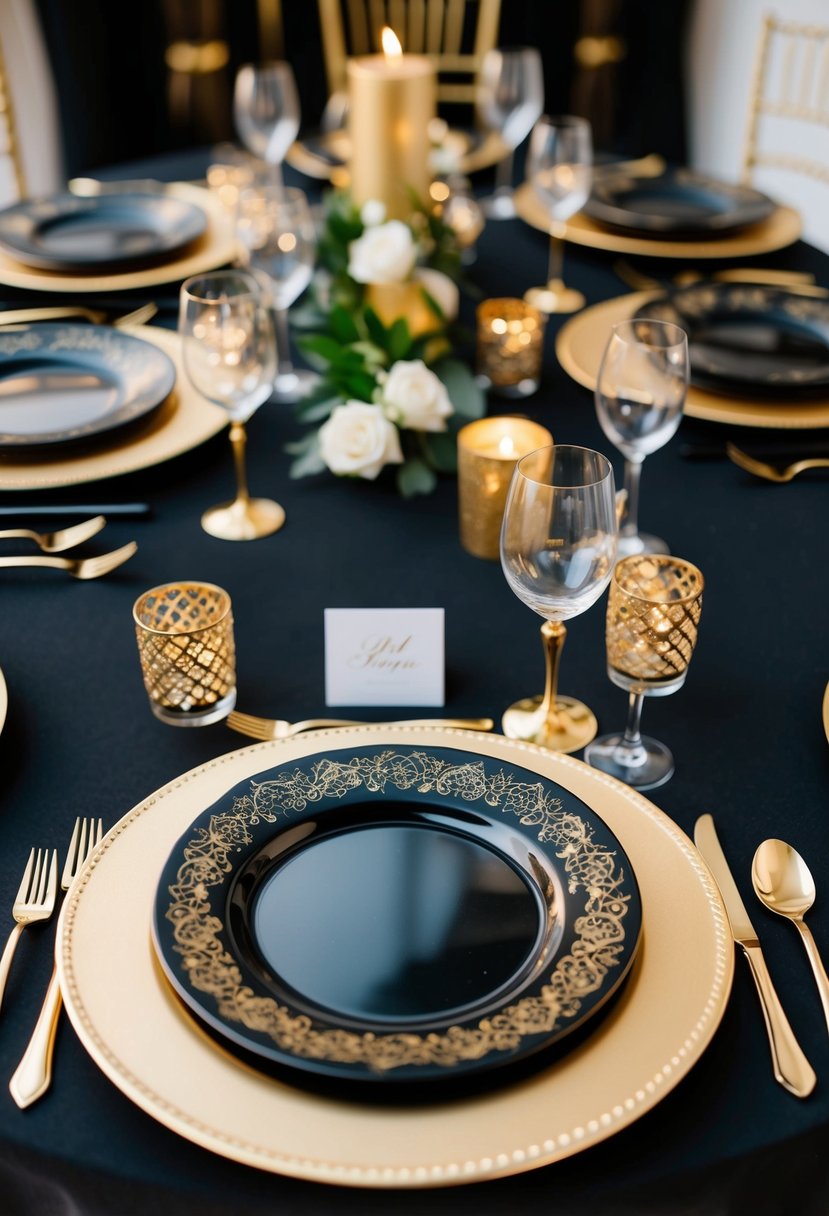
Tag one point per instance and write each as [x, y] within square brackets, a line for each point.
[276, 728]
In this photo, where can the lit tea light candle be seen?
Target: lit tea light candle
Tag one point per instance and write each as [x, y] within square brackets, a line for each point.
[488, 451]
[392, 101]
[510, 346]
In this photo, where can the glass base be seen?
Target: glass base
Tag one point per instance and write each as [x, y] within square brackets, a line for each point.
[563, 299]
[521, 388]
[644, 767]
[574, 726]
[290, 387]
[640, 542]
[195, 717]
[244, 519]
[499, 206]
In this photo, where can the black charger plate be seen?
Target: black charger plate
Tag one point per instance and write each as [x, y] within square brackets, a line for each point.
[677, 203]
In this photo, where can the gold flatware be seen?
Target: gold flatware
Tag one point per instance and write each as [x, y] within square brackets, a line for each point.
[97, 316]
[56, 542]
[652, 165]
[91, 187]
[826, 712]
[274, 728]
[78, 567]
[769, 471]
[799, 282]
[783, 882]
[633, 277]
[35, 902]
[791, 1068]
[33, 1074]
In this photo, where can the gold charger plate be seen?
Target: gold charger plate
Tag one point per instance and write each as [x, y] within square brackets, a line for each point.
[4, 700]
[135, 1030]
[489, 151]
[184, 421]
[217, 247]
[782, 228]
[582, 339]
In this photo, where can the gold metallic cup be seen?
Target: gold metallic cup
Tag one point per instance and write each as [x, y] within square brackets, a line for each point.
[653, 614]
[488, 451]
[185, 641]
[510, 346]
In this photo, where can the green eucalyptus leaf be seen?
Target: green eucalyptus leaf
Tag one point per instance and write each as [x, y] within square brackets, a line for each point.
[400, 340]
[415, 477]
[342, 326]
[442, 448]
[465, 394]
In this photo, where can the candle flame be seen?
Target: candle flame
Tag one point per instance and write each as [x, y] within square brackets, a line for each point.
[506, 447]
[391, 43]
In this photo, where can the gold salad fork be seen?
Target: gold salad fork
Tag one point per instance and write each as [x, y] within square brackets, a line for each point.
[56, 542]
[78, 567]
[768, 471]
[35, 902]
[33, 1074]
[275, 728]
[61, 312]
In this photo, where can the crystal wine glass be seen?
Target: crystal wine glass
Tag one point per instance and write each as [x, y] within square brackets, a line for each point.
[559, 167]
[509, 100]
[276, 238]
[266, 111]
[229, 356]
[558, 547]
[640, 392]
[653, 614]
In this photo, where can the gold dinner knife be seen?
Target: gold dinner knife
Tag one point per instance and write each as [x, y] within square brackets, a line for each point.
[791, 1068]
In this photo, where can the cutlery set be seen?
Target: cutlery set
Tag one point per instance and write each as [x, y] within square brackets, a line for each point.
[51, 543]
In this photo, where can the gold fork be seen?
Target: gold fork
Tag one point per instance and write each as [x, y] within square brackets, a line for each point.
[35, 902]
[768, 471]
[78, 567]
[33, 1074]
[56, 542]
[97, 316]
[275, 728]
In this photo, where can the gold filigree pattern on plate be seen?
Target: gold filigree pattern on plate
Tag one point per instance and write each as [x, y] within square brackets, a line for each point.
[589, 868]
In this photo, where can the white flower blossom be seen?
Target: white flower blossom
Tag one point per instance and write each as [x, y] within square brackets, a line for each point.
[372, 212]
[358, 439]
[383, 254]
[441, 288]
[414, 397]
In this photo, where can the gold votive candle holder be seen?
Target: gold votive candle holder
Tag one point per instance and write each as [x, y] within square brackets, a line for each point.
[488, 451]
[510, 348]
[186, 646]
[653, 614]
[228, 181]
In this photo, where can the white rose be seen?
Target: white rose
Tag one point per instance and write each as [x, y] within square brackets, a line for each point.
[383, 254]
[442, 290]
[414, 397]
[358, 439]
[372, 212]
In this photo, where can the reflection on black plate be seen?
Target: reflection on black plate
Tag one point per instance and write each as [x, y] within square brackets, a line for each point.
[678, 203]
[67, 232]
[396, 914]
[61, 383]
[749, 339]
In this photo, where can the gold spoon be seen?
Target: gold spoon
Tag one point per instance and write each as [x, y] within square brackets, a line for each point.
[784, 883]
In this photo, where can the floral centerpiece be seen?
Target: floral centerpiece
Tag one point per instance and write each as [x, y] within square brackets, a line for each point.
[380, 326]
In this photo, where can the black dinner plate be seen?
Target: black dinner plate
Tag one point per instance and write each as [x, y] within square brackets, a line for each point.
[746, 339]
[678, 203]
[396, 914]
[70, 233]
[67, 383]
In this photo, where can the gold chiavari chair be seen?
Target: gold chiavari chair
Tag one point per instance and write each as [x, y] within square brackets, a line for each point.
[31, 153]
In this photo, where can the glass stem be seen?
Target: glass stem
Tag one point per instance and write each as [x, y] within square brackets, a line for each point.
[555, 263]
[631, 751]
[553, 634]
[633, 473]
[503, 175]
[283, 341]
[238, 441]
[277, 179]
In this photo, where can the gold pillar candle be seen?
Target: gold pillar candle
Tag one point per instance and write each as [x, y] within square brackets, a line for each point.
[391, 100]
[488, 451]
[510, 346]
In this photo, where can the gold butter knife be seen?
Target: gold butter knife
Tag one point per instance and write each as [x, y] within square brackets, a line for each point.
[791, 1068]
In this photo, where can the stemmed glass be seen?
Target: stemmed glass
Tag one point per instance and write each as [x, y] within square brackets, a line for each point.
[275, 231]
[640, 392]
[653, 614]
[266, 111]
[558, 547]
[229, 356]
[509, 100]
[559, 167]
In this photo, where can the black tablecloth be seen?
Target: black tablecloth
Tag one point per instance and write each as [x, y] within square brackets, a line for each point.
[745, 730]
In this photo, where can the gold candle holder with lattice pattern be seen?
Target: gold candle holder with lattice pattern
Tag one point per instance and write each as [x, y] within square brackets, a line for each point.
[185, 641]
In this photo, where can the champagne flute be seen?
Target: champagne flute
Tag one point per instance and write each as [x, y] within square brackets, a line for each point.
[266, 112]
[640, 392]
[229, 356]
[558, 547]
[509, 100]
[276, 239]
[653, 614]
[559, 166]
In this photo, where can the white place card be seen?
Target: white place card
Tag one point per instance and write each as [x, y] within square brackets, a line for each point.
[384, 656]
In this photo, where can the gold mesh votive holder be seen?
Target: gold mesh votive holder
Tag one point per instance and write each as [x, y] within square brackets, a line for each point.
[510, 349]
[185, 641]
[653, 613]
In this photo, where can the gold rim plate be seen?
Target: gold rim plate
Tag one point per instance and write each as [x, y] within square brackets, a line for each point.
[782, 228]
[136, 1031]
[4, 701]
[305, 159]
[217, 247]
[181, 423]
[582, 339]
[826, 712]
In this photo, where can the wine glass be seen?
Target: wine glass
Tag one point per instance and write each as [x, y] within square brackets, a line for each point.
[509, 99]
[266, 111]
[275, 231]
[229, 355]
[559, 167]
[558, 547]
[640, 392]
[653, 614]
